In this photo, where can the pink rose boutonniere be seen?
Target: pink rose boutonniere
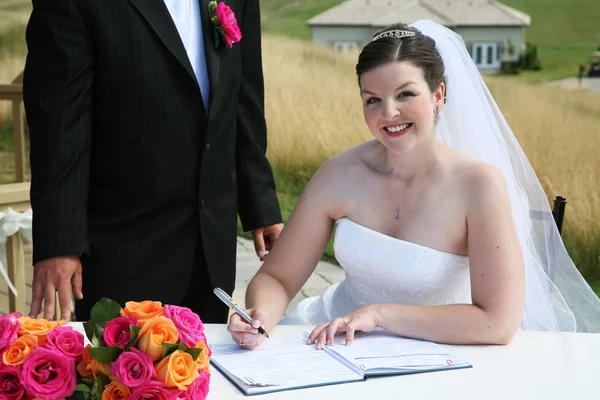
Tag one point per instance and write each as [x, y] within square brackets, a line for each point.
[226, 27]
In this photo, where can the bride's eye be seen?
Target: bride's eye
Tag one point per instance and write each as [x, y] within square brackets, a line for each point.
[372, 100]
[404, 95]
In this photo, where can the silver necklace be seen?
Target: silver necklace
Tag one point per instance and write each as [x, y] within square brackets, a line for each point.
[397, 217]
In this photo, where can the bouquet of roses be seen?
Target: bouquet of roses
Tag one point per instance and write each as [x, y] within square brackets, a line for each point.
[38, 358]
[143, 351]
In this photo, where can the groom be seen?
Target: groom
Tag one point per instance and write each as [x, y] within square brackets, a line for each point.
[147, 135]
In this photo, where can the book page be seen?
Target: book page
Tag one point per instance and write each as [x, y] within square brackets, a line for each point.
[383, 352]
[280, 364]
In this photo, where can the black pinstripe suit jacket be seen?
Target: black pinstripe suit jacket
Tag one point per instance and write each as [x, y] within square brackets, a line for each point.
[127, 167]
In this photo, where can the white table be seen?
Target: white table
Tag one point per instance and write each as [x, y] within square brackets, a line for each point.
[536, 365]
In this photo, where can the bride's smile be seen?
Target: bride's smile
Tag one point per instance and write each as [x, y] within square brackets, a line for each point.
[396, 130]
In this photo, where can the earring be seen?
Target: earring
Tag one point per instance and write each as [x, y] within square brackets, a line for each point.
[437, 113]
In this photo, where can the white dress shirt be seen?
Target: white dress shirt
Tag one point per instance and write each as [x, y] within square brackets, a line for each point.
[186, 15]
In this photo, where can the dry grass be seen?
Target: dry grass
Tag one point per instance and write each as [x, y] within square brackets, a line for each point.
[312, 103]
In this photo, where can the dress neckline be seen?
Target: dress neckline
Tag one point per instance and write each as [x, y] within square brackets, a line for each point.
[388, 237]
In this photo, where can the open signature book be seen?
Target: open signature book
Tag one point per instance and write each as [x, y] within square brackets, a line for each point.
[289, 363]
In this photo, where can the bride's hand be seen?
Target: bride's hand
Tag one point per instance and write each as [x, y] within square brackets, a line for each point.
[363, 319]
[244, 334]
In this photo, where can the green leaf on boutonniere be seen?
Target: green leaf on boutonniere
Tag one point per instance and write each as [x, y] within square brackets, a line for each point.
[98, 388]
[133, 332]
[195, 353]
[216, 36]
[212, 6]
[105, 354]
[105, 310]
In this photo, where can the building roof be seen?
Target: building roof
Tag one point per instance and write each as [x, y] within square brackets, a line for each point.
[451, 13]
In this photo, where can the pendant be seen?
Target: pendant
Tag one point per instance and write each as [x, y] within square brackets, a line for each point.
[397, 213]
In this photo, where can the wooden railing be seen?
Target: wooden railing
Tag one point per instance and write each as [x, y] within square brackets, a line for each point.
[13, 92]
[16, 195]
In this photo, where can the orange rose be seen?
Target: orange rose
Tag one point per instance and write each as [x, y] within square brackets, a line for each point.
[202, 360]
[115, 390]
[19, 350]
[154, 333]
[142, 311]
[178, 370]
[37, 327]
[90, 368]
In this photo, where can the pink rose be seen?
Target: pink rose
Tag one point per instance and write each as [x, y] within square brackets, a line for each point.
[174, 393]
[48, 374]
[199, 388]
[153, 390]
[10, 383]
[133, 368]
[187, 322]
[67, 341]
[228, 24]
[117, 332]
[9, 327]
[14, 316]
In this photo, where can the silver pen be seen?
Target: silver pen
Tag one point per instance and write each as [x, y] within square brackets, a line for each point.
[225, 298]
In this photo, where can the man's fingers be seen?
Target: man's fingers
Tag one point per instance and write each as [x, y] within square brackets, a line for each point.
[64, 299]
[259, 244]
[49, 300]
[37, 296]
[77, 284]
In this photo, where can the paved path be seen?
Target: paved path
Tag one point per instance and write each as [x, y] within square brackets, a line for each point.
[248, 263]
[592, 84]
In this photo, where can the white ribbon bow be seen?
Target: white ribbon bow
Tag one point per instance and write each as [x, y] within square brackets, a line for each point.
[11, 223]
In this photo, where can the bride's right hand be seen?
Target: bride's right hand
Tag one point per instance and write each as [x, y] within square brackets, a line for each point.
[244, 334]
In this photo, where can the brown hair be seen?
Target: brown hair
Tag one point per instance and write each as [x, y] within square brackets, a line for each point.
[418, 49]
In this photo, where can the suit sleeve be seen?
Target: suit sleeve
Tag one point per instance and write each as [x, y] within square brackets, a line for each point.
[257, 199]
[57, 93]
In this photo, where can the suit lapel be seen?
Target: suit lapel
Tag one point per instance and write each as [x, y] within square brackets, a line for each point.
[158, 17]
[210, 52]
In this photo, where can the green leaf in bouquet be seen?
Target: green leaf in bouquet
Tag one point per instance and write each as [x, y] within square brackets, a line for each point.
[96, 342]
[79, 395]
[133, 332]
[99, 329]
[82, 387]
[98, 387]
[88, 382]
[105, 354]
[168, 348]
[89, 331]
[105, 310]
[195, 353]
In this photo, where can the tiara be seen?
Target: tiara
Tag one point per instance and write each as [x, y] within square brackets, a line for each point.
[394, 34]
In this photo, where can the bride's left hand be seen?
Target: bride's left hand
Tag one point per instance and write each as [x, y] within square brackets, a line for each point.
[363, 319]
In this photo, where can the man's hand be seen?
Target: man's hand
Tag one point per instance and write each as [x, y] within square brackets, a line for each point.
[53, 275]
[264, 238]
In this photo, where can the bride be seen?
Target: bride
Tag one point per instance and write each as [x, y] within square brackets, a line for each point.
[433, 216]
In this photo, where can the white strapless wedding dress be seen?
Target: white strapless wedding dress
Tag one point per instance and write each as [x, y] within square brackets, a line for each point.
[383, 269]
